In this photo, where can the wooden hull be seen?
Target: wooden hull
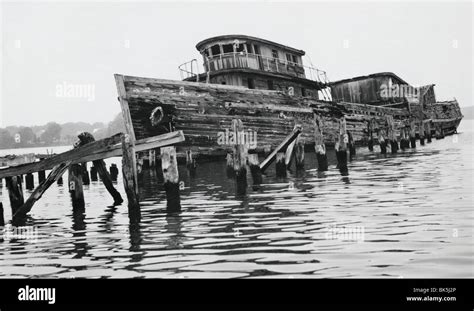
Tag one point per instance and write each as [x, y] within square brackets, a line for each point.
[204, 112]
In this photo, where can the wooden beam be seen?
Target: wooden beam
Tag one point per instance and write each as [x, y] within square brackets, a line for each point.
[129, 172]
[100, 149]
[283, 145]
[125, 109]
[53, 176]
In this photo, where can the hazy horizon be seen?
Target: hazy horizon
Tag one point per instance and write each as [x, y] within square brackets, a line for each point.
[48, 46]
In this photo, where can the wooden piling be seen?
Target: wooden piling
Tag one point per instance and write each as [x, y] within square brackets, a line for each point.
[114, 171]
[342, 141]
[94, 173]
[53, 176]
[382, 142]
[280, 165]
[299, 152]
[352, 149]
[412, 133]
[289, 153]
[75, 186]
[152, 157]
[428, 131]
[404, 143]
[421, 132]
[15, 193]
[370, 129]
[230, 165]
[29, 181]
[130, 180]
[85, 174]
[392, 135]
[2, 219]
[190, 161]
[319, 145]
[240, 152]
[169, 166]
[86, 138]
[255, 169]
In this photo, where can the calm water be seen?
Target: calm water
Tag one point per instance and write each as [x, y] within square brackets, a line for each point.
[408, 215]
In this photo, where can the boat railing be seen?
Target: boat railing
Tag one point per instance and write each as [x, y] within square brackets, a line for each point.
[189, 69]
[239, 60]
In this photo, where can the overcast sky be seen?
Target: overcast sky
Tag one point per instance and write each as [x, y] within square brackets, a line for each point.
[49, 45]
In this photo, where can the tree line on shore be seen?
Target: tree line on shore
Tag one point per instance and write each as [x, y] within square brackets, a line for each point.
[54, 134]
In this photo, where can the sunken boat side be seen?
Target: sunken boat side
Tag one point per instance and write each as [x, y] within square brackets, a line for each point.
[205, 111]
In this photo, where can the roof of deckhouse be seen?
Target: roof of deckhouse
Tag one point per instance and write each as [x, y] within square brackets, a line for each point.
[248, 38]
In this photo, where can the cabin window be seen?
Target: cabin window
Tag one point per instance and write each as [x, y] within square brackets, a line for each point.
[295, 59]
[251, 83]
[206, 53]
[270, 84]
[249, 48]
[288, 58]
[216, 50]
[275, 54]
[228, 48]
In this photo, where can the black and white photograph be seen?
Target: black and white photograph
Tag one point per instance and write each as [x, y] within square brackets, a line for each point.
[236, 140]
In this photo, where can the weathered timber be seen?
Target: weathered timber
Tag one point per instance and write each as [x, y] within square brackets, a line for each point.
[392, 135]
[86, 138]
[299, 152]
[319, 145]
[230, 165]
[382, 141]
[427, 127]
[240, 152]
[169, 166]
[15, 193]
[351, 145]
[341, 147]
[75, 186]
[255, 168]
[152, 157]
[85, 174]
[100, 149]
[53, 176]
[2, 219]
[93, 173]
[114, 170]
[413, 133]
[29, 181]
[190, 160]
[130, 176]
[280, 166]
[283, 145]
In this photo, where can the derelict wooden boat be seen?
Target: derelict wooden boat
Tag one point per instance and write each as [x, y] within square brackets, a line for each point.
[266, 86]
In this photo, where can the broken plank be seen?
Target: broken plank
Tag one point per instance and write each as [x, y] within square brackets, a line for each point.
[283, 145]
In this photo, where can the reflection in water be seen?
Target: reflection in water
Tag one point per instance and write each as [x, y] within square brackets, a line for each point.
[306, 224]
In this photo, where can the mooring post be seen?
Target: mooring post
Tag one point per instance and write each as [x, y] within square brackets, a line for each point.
[2, 219]
[169, 166]
[230, 165]
[370, 129]
[352, 149]
[280, 166]
[29, 181]
[190, 161]
[422, 132]
[85, 174]
[428, 131]
[130, 181]
[382, 142]
[404, 144]
[93, 173]
[255, 169]
[113, 171]
[341, 147]
[392, 135]
[299, 152]
[15, 193]
[319, 145]
[41, 176]
[240, 149]
[101, 169]
[412, 133]
[75, 186]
